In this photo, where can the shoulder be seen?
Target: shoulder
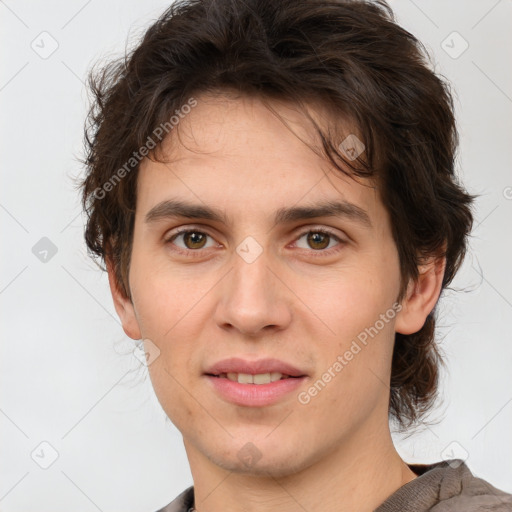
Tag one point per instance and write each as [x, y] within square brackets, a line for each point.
[447, 486]
[460, 489]
[181, 503]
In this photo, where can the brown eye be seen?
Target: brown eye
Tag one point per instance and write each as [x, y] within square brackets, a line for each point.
[190, 240]
[194, 239]
[318, 240]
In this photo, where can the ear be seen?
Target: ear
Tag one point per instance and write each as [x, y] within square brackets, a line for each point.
[421, 297]
[124, 306]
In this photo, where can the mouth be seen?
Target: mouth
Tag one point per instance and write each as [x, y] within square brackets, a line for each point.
[258, 379]
[261, 371]
[254, 384]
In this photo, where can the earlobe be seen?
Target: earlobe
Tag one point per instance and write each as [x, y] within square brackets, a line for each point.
[421, 297]
[123, 305]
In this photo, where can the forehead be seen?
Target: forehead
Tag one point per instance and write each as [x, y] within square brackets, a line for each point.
[238, 152]
[225, 122]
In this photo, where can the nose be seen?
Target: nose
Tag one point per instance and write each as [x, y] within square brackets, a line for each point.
[254, 298]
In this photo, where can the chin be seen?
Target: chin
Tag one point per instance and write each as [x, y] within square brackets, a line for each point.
[274, 468]
[265, 462]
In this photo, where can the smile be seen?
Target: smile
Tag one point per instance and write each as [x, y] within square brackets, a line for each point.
[247, 378]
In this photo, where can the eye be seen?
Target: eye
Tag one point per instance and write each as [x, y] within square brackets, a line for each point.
[192, 240]
[319, 240]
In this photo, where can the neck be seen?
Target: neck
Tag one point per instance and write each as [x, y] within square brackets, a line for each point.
[358, 475]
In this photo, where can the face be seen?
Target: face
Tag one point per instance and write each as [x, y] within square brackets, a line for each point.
[262, 282]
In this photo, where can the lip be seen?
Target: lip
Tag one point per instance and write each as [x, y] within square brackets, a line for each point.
[239, 365]
[254, 395]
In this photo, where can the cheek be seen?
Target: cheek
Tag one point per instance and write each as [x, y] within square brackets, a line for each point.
[358, 309]
[169, 388]
[165, 297]
[351, 301]
[168, 307]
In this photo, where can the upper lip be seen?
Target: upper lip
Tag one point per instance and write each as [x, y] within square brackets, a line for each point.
[239, 365]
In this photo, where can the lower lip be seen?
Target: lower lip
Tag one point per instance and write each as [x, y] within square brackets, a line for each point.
[254, 395]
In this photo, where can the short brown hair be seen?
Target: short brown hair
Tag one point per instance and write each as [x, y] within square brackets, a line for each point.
[349, 55]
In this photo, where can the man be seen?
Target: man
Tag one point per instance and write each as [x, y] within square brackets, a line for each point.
[271, 187]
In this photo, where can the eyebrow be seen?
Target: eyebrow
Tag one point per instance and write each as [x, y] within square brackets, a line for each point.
[174, 208]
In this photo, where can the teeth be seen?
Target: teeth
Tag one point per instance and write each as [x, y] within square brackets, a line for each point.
[260, 378]
[245, 378]
[277, 376]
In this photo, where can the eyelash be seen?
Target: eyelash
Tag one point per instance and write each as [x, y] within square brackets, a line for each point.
[316, 253]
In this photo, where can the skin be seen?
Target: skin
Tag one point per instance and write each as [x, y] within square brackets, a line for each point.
[299, 302]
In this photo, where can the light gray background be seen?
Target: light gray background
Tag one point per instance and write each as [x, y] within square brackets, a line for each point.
[68, 376]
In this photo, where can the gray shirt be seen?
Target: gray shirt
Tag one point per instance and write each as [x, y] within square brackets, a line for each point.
[446, 486]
